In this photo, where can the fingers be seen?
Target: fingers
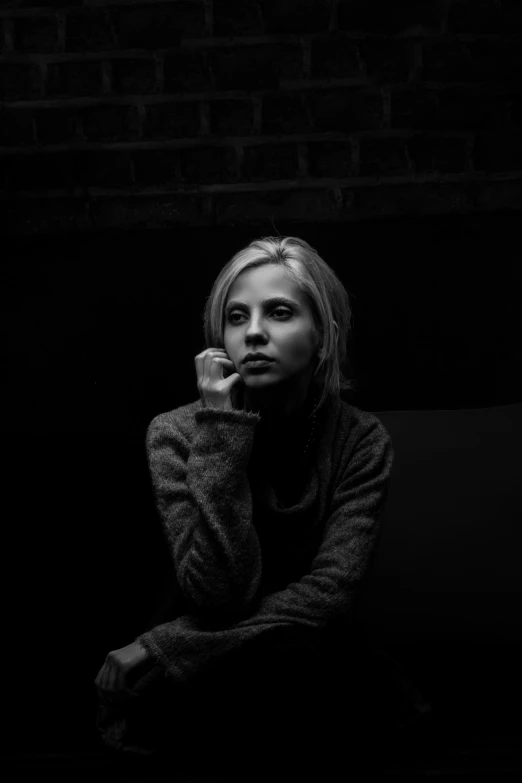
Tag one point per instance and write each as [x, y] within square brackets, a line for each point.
[112, 678]
[103, 681]
[203, 362]
[110, 682]
[98, 681]
[101, 684]
[113, 689]
[215, 366]
[105, 675]
[212, 363]
[120, 683]
[208, 365]
[216, 377]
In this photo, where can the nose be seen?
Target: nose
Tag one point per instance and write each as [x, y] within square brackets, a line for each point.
[255, 328]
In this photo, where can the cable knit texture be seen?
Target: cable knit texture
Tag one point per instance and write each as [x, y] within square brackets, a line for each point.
[267, 549]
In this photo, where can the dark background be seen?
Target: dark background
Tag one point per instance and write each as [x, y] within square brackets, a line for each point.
[141, 145]
[102, 335]
[101, 332]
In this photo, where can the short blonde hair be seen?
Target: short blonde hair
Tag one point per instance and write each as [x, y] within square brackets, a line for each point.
[328, 299]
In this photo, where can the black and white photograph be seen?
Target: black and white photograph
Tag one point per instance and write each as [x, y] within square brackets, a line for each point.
[261, 285]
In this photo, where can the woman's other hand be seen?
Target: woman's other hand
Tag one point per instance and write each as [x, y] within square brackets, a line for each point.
[112, 679]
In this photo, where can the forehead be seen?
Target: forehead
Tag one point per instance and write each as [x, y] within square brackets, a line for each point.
[264, 281]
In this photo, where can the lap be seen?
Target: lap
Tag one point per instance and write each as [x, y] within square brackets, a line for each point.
[276, 696]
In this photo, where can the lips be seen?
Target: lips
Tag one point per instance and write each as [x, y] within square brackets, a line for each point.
[257, 358]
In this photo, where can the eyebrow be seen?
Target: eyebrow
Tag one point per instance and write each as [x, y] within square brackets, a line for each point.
[272, 302]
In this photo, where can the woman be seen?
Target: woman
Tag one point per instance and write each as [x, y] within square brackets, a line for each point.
[269, 488]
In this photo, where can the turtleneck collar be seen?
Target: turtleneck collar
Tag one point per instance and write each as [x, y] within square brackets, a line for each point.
[295, 420]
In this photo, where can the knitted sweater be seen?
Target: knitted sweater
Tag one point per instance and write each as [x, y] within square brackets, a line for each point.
[265, 548]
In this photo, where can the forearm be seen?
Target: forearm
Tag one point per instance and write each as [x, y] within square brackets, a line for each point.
[205, 505]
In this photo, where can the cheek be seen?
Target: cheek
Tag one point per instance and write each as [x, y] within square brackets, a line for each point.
[299, 349]
[232, 348]
[227, 341]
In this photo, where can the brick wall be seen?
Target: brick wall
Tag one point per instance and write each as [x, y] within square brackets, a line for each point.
[223, 112]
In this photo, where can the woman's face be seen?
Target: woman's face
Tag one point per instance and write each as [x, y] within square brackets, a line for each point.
[283, 331]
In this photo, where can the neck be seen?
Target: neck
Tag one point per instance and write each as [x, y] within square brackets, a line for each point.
[280, 407]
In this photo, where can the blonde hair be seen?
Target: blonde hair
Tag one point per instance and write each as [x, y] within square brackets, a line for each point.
[328, 299]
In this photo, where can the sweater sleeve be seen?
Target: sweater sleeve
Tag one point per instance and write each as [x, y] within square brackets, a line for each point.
[204, 501]
[187, 645]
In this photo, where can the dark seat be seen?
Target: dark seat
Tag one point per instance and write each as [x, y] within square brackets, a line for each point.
[443, 594]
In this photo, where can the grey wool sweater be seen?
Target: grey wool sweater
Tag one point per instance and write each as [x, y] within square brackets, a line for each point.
[265, 547]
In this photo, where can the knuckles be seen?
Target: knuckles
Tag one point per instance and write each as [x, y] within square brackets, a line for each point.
[209, 351]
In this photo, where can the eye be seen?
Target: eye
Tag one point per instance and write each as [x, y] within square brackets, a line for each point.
[282, 310]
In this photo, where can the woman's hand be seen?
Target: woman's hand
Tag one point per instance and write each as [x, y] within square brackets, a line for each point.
[111, 680]
[214, 388]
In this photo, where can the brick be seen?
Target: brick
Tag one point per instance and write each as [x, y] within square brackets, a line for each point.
[40, 216]
[35, 34]
[381, 16]
[285, 113]
[57, 125]
[447, 61]
[232, 117]
[38, 171]
[475, 16]
[511, 16]
[345, 109]
[314, 205]
[16, 127]
[175, 119]
[383, 156]
[330, 159]
[157, 167]
[414, 107]
[6, 36]
[494, 152]
[472, 109]
[209, 165]
[295, 16]
[47, 4]
[7, 169]
[438, 154]
[472, 61]
[499, 195]
[88, 30]
[74, 79]
[414, 199]
[254, 67]
[516, 111]
[510, 57]
[111, 123]
[334, 58]
[158, 26]
[134, 76]
[237, 17]
[186, 71]
[103, 168]
[20, 80]
[174, 167]
[270, 162]
[387, 60]
[146, 212]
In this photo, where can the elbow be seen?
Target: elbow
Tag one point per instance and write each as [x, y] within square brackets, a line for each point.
[219, 599]
[220, 591]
